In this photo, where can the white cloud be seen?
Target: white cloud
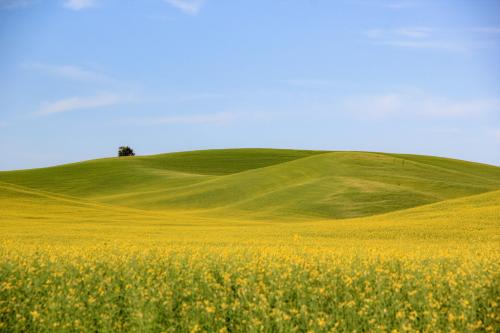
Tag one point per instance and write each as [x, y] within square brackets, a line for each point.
[445, 130]
[201, 96]
[492, 30]
[11, 4]
[415, 32]
[421, 37]
[213, 118]
[191, 7]
[70, 72]
[409, 33]
[375, 105]
[307, 82]
[79, 4]
[419, 104]
[374, 33]
[416, 38]
[404, 32]
[426, 44]
[208, 118]
[80, 103]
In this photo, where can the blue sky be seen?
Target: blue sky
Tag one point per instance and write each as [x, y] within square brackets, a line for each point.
[78, 78]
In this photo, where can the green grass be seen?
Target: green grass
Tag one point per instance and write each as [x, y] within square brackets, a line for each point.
[146, 174]
[265, 183]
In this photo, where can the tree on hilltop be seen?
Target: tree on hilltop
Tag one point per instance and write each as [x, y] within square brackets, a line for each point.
[125, 151]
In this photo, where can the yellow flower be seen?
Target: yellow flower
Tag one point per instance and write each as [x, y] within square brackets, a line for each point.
[35, 314]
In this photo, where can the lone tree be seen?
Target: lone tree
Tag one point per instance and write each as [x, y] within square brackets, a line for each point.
[125, 151]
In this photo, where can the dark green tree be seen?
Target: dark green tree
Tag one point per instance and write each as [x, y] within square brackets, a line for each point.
[125, 151]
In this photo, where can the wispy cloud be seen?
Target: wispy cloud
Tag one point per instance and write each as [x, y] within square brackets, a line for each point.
[80, 103]
[209, 118]
[374, 33]
[80, 4]
[201, 96]
[490, 30]
[432, 44]
[414, 32]
[160, 17]
[307, 82]
[406, 32]
[191, 7]
[418, 38]
[11, 4]
[201, 118]
[70, 72]
[374, 105]
[445, 130]
[419, 104]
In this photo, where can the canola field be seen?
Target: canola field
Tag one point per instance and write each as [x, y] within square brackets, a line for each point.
[250, 288]
[73, 260]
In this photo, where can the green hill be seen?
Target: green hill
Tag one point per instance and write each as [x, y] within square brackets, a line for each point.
[109, 176]
[470, 219]
[265, 183]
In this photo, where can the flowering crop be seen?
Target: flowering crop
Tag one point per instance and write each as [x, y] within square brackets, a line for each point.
[210, 287]
[72, 266]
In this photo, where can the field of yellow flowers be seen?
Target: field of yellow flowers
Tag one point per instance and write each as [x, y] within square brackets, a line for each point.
[73, 266]
[231, 287]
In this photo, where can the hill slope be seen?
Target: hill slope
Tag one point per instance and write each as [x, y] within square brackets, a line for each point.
[473, 218]
[31, 215]
[265, 183]
[91, 179]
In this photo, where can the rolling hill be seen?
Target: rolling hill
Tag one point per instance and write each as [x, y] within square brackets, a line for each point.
[262, 184]
[34, 215]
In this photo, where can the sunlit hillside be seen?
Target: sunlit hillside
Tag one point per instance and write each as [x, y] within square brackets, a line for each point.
[265, 183]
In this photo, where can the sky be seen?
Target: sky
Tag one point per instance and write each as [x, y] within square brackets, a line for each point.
[79, 78]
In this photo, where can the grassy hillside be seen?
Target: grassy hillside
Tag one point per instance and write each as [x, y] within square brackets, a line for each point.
[96, 178]
[471, 219]
[265, 183]
[30, 214]
[333, 185]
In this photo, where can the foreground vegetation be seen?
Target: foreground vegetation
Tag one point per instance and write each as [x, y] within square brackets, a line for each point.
[72, 263]
[251, 288]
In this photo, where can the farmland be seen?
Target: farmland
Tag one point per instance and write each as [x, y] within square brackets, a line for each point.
[251, 240]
